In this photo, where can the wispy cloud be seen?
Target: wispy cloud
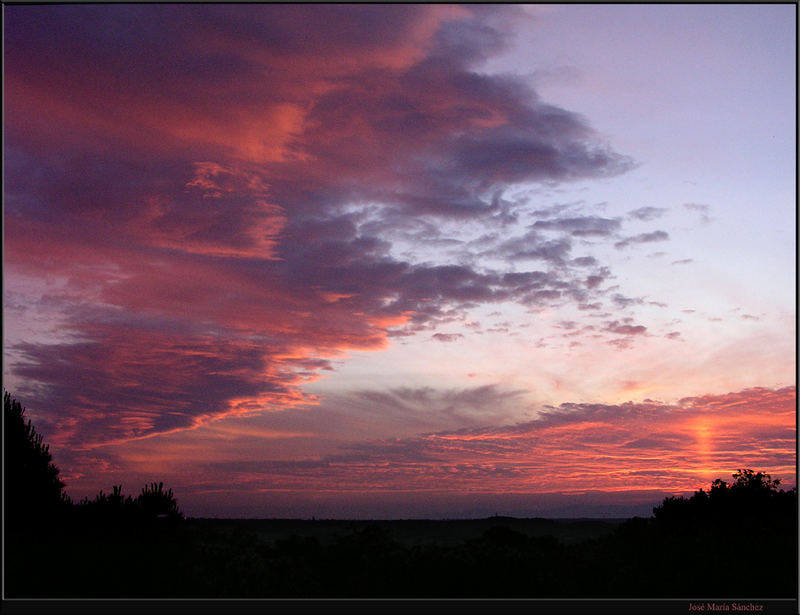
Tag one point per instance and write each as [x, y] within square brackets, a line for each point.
[587, 226]
[701, 209]
[572, 447]
[642, 238]
[647, 213]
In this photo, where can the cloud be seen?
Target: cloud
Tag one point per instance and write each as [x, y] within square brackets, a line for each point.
[447, 337]
[555, 210]
[482, 397]
[697, 207]
[622, 302]
[642, 238]
[210, 185]
[701, 209]
[683, 261]
[588, 226]
[624, 329]
[532, 246]
[647, 213]
[626, 447]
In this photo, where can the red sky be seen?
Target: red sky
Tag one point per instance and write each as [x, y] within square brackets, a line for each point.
[319, 260]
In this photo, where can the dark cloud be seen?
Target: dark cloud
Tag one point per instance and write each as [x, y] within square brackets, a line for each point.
[683, 261]
[585, 261]
[587, 226]
[621, 301]
[532, 246]
[131, 383]
[597, 278]
[642, 238]
[447, 337]
[624, 328]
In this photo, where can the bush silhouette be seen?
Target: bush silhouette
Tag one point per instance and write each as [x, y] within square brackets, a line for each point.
[153, 501]
[33, 490]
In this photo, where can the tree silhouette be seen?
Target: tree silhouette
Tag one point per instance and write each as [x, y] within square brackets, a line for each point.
[33, 490]
[752, 498]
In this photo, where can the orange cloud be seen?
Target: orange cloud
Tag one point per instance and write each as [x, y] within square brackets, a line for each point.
[575, 448]
[601, 453]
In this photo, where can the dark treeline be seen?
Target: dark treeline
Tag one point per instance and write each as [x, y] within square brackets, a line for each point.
[736, 539]
[35, 494]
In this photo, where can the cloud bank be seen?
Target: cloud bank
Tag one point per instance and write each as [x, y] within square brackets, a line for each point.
[572, 448]
[202, 196]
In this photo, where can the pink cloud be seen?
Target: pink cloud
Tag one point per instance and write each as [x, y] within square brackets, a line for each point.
[203, 178]
[635, 446]
[575, 454]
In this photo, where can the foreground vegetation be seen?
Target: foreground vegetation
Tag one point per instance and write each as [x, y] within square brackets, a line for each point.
[736, 538]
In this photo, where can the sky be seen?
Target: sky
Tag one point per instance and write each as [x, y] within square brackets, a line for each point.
[403, 261]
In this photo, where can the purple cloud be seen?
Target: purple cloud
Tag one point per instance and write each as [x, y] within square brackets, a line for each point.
[214, 182]
[647, 213]
[642, 238]
[447, 337]
[586, 226]
[624, 329]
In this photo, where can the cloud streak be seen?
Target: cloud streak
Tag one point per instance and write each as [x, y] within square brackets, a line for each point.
[572, 448]
[642, 238]
[647, 213]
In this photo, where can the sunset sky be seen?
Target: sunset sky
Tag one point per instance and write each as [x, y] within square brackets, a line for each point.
[403, 260]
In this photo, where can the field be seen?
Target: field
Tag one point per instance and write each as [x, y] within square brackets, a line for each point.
[496, 557]
[410, 532]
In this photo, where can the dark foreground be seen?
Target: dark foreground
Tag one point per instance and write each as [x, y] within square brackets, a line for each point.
[737, 540]
[489, 558]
